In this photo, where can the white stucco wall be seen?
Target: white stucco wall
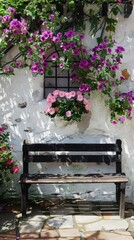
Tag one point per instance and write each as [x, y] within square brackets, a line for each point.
[31, 123]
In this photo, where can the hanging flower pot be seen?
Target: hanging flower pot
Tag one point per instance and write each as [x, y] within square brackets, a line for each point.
[69, 106]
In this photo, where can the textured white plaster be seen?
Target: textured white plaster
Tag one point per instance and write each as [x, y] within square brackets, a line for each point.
[35, 126]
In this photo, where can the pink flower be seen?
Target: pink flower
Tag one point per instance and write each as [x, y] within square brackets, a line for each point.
[73, 93]
[68, 95]
[122, 119]
[51, 111]
[114, 122]
[85, 101]
[51, 99]
[61, 94]
[56, 92]
[68, 114]
[87, 107]
[9, 162]
[80, 97]
[15, 169]
[2, 129]
[61, 65]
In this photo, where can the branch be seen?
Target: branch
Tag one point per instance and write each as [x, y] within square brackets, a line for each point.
[14, 59]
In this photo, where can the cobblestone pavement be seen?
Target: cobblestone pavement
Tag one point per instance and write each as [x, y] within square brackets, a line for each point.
[54, 226]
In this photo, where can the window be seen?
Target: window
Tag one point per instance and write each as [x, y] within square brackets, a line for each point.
[58, 80]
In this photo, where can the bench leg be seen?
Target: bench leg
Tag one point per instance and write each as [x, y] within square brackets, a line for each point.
[122, 200]
[24, 198]
[117, 192]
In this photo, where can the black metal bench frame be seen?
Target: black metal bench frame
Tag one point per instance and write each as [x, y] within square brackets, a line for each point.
[95, 152]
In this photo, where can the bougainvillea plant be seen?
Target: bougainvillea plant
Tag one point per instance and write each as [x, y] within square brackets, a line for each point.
[67, 105]
[7, 164]
[93, 70]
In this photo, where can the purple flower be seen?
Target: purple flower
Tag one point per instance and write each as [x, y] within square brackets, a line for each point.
[30, 39]
[34, 68]
[122, 78]
[59, 34]
[109, 50]
[119, 49]
[45, 64]
[18, 27]
[114, 68]
[51, 16]
[44, 23]
[82, 36]
[41, 70]
[54, 57]
[18, 64]
[100, 86]
[102, 46]
[72, 45]
[99, 68]
[84, 88]
[94, 57]
[6, 18]
[6, 31]
[11, 10]
[70, 33]
[55, 39]
[76, 52]
[84, 50]
[30, 51]
[105, 40]
[83, 64]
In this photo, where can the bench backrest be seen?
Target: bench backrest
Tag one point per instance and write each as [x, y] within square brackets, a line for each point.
[72, 152]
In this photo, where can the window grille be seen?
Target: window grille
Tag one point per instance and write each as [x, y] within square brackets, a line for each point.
[58, 80]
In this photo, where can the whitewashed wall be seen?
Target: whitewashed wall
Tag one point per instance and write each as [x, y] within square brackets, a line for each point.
[21, 111]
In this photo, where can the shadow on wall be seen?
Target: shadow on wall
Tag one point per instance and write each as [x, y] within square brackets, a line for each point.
[84, 124]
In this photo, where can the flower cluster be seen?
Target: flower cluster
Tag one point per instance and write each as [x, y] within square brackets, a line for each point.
[7, 164]
[92, 70]
[121, 106]
[68, 105]
[97, 71]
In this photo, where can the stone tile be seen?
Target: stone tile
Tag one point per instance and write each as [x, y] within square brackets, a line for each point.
[69, 233]
[8, 235]
[86, 219]
[60, 222]
[37, 217]
[107, 236]
[7, 221]
[29, 235]
[30, 227]
[49, 233]
[107, 225]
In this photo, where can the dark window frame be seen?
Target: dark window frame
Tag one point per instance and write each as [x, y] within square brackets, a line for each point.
[66, 76]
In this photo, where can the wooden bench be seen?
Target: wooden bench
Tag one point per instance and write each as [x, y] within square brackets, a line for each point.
[105, 153]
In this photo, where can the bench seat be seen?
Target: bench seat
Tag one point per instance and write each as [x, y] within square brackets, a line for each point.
[76, 178]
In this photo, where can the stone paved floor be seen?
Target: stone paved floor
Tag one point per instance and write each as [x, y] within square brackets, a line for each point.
[55, 226]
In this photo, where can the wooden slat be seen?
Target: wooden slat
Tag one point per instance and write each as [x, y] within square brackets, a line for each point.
[71, 158]
[93, 147]
[52, 179]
